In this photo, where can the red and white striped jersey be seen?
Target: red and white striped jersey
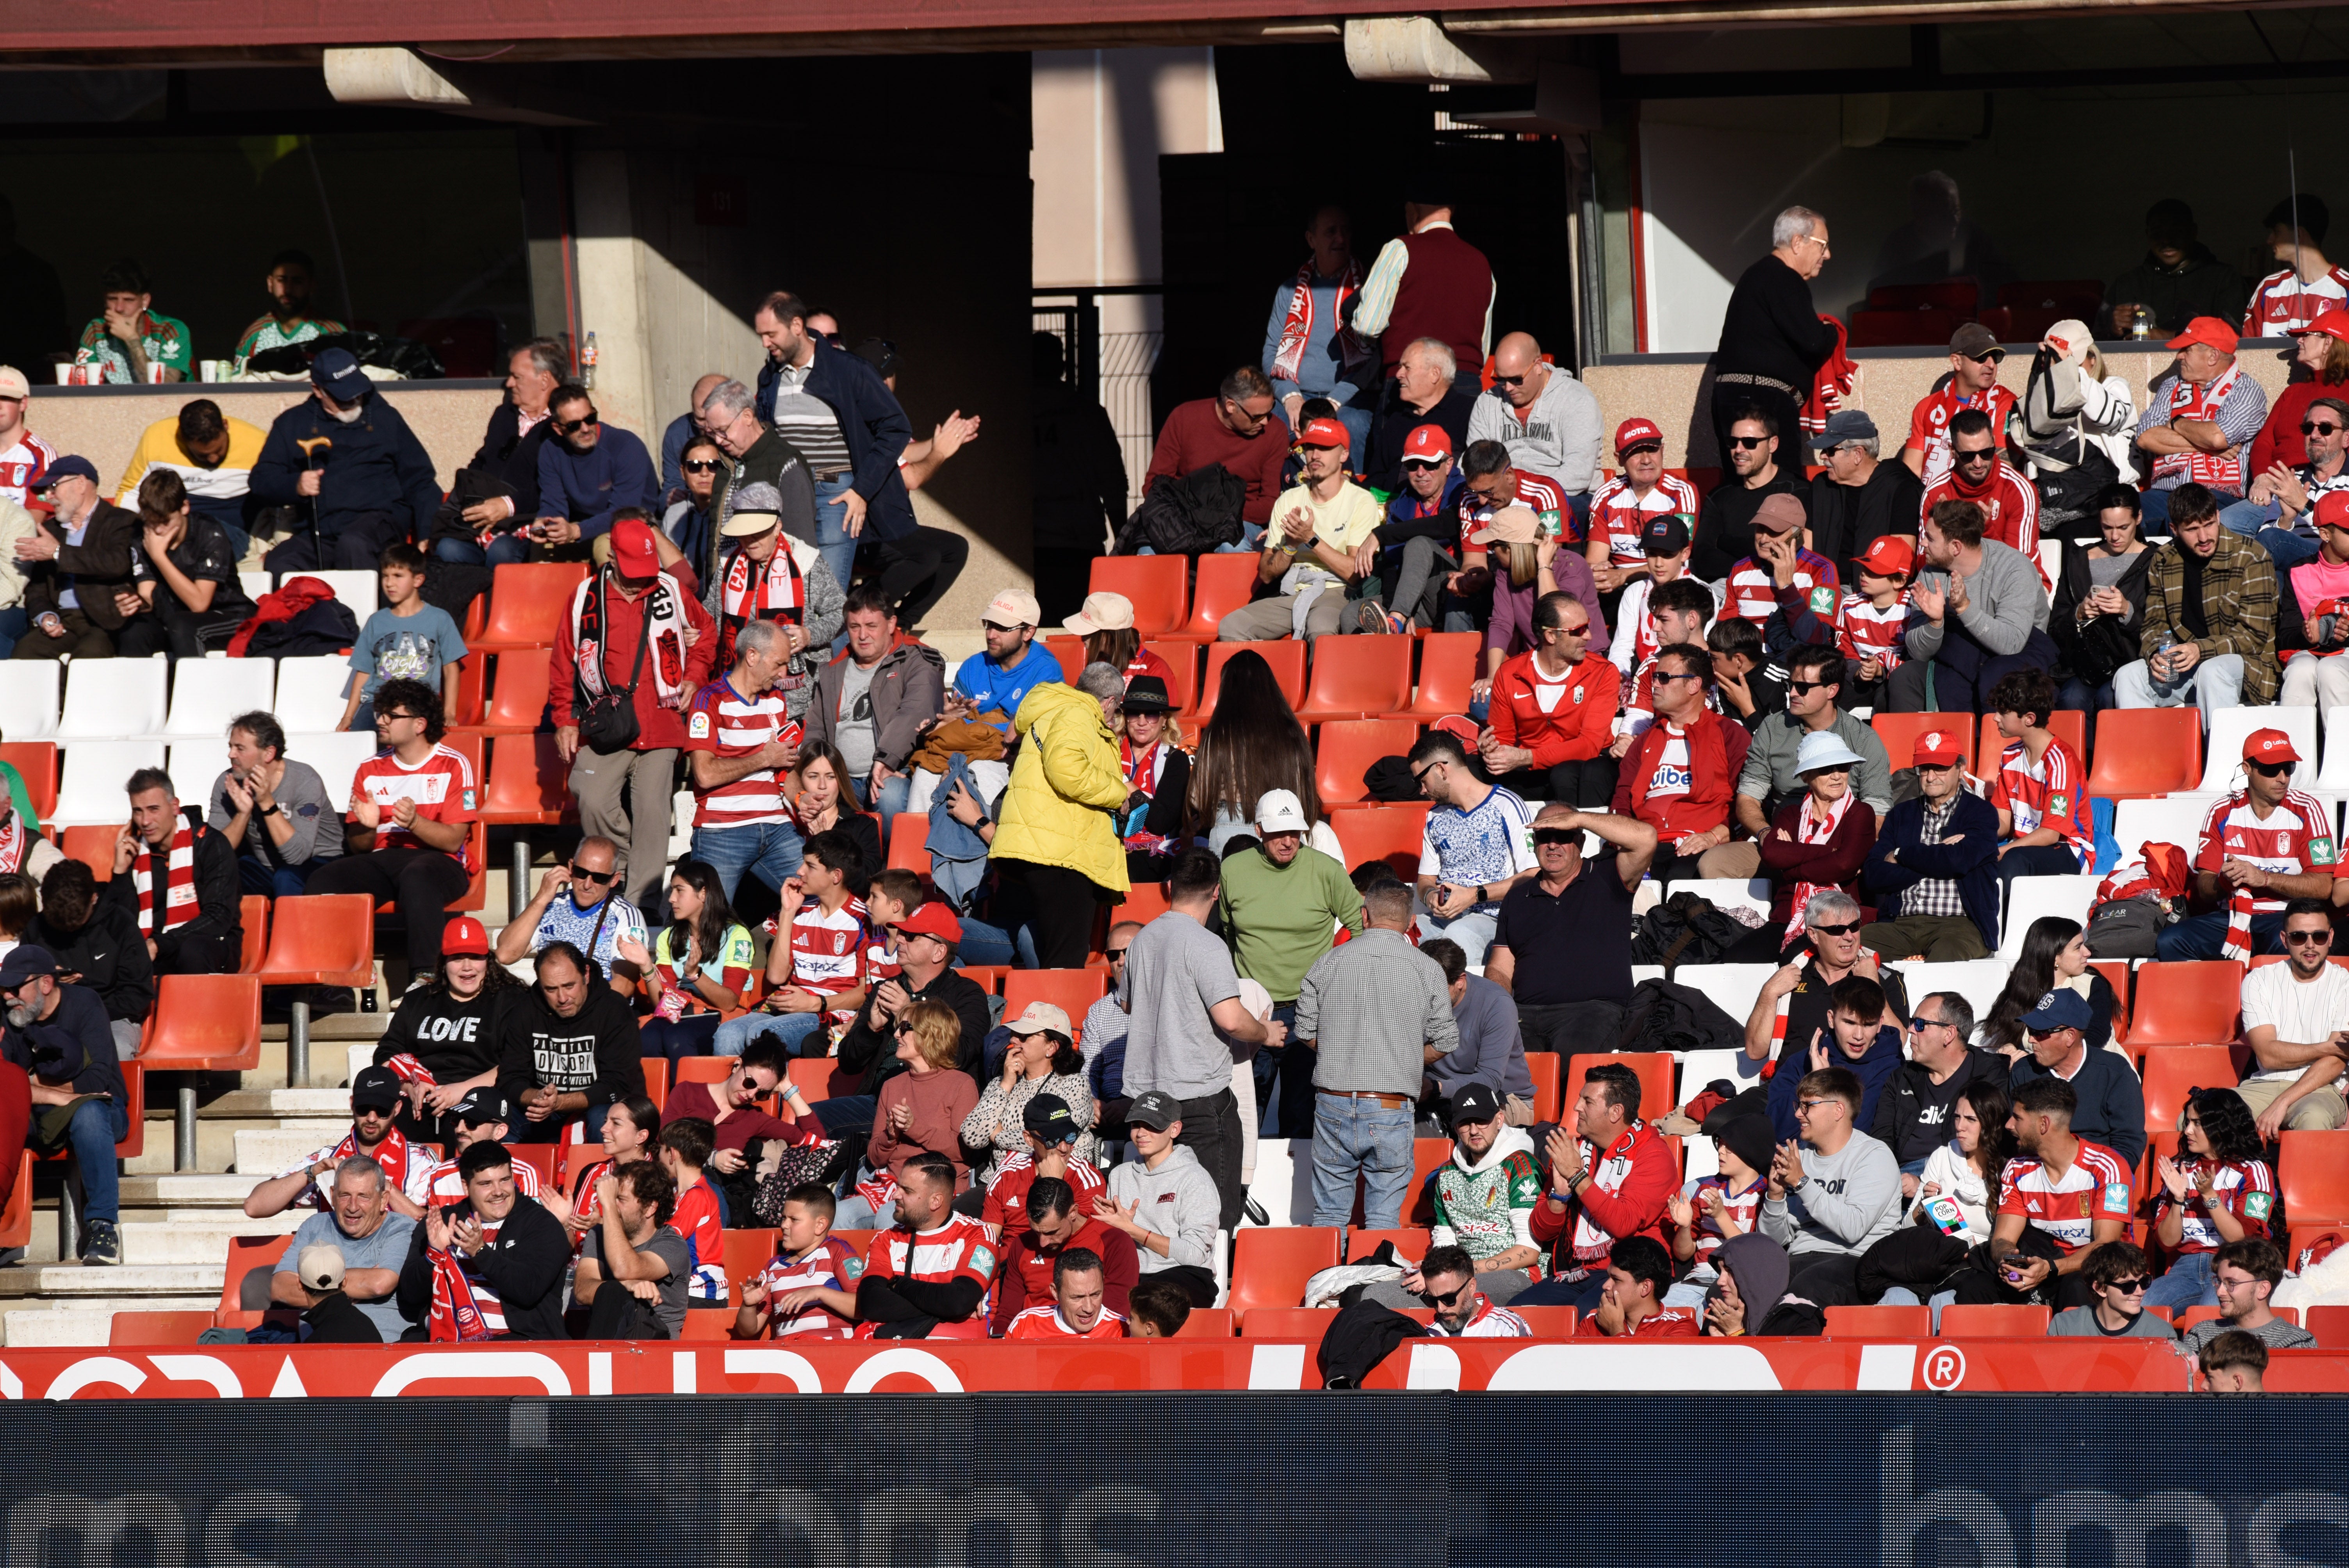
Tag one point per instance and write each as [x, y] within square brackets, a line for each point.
[2283, 302]
[2067, 1207]
[1618, 515]
[2246, 1188]
[959, 1249]
[1046, 1323]
[408, 1167]
[441, 786]
[1533, 490]
[2295, 839]
[2010, 510]
[22, 464]
[833, 1264]
[698, 1221]
[1743, 1209]
[727, 725]
[2049, 793]
[829, 947]
[1865, 630]
[446, 1187]
[1928, 425]
[1007, 1195]
[1753, 592]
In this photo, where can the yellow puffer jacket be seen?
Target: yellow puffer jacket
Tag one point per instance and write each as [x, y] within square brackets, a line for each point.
[1063, 786]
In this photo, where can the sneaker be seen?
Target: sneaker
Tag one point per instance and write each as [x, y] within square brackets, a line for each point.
[1370, 615]
[1399, 624]
[101, 1243]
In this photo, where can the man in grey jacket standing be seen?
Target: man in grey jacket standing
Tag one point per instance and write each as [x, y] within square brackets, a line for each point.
[1977, 614]
[1832, 1196]
[1548, 419]
[1371, 1010]
[1166, 1201]
[876, 704]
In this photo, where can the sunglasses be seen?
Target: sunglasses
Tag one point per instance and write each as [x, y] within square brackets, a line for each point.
[1968, 459]
[1418, 773]
[2313, 938]
[1458, 1295]
[1556, 836]
[1844, 930]
[2311, 427]
[702, 465]
[1992, 357]
[1420, 465]
[1662, 676]
[1509, 380]
[2128, 1286]
[2269, 770]
[581, 873]
[1796, 688]
[1747, 443]
[565, 427]
[1115, 954]
[2048, 1034]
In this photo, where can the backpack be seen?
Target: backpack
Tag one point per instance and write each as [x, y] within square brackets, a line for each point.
[1189, 516]
[1665, 1016]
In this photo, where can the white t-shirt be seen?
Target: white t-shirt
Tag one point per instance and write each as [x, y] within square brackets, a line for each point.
[2301, 1012]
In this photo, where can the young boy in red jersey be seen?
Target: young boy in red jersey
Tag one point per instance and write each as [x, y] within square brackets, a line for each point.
[2041, 790]
[808, 1289]
[684, 1148]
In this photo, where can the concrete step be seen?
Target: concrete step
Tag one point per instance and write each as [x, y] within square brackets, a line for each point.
[266, 1150]
[262, 1104]
[80, 1283]
[88, 1324]
[188, 1190]
[170, 1235]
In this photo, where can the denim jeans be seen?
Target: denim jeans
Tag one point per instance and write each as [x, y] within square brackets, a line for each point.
[14, 623]
[736, 1034]
[897, 790]
[274, 881]
[2188, 1282]
[1472, 931]
[2286, 548]
[1284, 1085]
[2204, 936]
[833, 540]
[1901, 1295]
[770, 850]
[99, 1125]
[1362, 1136]
[989, 946]
[2213, 684]
[2248, 516]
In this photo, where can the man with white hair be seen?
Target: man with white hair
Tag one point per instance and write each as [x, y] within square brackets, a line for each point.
[1422, 391]
[762, 457]
[1773, 339]
[1548, 419]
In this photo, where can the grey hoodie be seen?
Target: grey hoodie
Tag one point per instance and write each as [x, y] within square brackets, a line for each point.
[1849, 1201]
[1179, 1202]
[1559, 437]
[2006, 602]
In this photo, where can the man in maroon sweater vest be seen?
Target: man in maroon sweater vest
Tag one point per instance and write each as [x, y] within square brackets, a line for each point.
[1431, 283]
[1237, 429]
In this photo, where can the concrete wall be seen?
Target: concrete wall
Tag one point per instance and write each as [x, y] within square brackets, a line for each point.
[1678, 393]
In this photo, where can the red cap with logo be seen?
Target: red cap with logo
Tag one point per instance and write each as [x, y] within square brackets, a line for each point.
[1427, 444]
[2332, 323]
[1633, 433]
[464, 937]
[2208, 330]
[1889, 556]
[2269, 746]
[1322, 433]
[2332, 509]
[632, 548]
[1939, 748]
[933, 919]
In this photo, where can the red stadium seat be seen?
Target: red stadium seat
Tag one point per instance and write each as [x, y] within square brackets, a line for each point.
[93, 847]
[1548, 1072]
[463, 706]
[2186, 1004]
[747, 1250]
[1272, 1263]
[1145, 901]
[1411, 1242]
[1428, 1155]
[529, 784]
[1070, 650]
[205, 1023]
[1306, 1322]
[528, 602]
[36, 762]
[321, 939]
[1987, 1320]
[1207, 1323]
[1654, 1069]
[2172, 1070]
[657, 1080]
[818, 1078]
[987, 977]
[1881, 1322]
[1159, 586]
[158, 1327]
[1345, 749]
[1286, 658]
[1547, 1322]
[2070, 725]
[1447, 669]
[2115, 972]
[909, 842]
[246, 1255]
[1943, 294]
[1358, 677]
[1899, 731]
[570, 1160]
[2329, 1325]
[1181, 659]
[16, 1214]
[1224, 584]
[1073, 991]
[2194, 1314]
[539, 1157]
[2313, 1177]
[1390, 833]
[252, 920]
[2144, 751]
[518, 704]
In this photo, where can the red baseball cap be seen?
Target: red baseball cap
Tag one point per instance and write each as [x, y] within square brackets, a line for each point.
[933, 919]
[632, 548]
[464, 937]
[1939, 749]
[1460, 726]
[1633, 433]
[2332, 509]
[1427, 444]
[2207, 329]
[2269, 746]
[1322, 433]
[2332, 323]
[1891, 556]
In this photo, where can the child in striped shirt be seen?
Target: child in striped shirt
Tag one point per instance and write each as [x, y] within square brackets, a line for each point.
[2041, 788]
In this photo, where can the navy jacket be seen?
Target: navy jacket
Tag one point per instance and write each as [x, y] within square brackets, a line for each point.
[875, 427]
[2112, 1101]
[587, 488]
[1973, 862]
[376, 466]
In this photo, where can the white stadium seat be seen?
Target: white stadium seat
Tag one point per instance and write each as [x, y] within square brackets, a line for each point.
[258, 585]
[89, 788]
[28, 699]
[1725, 894]
[1731, 987]
[355, 589]
[310, 693]
[113, 699]
[2170, 820]
[1978, 980]
[2035, 898]
[207, 693]
[2222, 748]
[335, 756]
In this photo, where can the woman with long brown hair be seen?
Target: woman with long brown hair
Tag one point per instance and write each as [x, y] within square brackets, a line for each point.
[2324, 353]
[1252, 745]
[1106, 623]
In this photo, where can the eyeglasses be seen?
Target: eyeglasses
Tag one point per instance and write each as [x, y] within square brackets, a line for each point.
[702, 465]
[2313, 938]
[380, 717]
[565, 427]
[1239, 412]
[2127, 1286]
[1556, 836]
[2311, 427]
[581, 873]
[2269, 770]
[1991, 357]
[1746, 443]
[1917, 1024]
[1969, 459]
[1836, 930]
[1804, 1106]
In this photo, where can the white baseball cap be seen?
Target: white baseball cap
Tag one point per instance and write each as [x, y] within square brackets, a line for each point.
[1279, 812]
[1012, 607]
[1102, 613]
[13, 382]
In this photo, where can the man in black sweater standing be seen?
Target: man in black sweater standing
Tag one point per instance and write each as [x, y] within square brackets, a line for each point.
[1772, 339]
[348, 459]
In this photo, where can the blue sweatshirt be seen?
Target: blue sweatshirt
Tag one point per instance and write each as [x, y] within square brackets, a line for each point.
[1005, 686]
[587, 488]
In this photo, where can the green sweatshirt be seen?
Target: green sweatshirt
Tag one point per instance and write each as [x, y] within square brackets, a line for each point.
[1281, 918]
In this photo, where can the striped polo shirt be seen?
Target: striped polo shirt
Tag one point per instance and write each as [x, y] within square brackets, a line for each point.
[722, 722]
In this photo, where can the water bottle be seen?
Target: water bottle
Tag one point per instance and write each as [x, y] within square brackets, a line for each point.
[2159, 664]
[588, 363]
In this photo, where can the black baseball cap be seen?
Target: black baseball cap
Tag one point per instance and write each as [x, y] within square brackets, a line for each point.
[1049, 1117]
[375, 1087]
[1476, 1102]
[1156, 1110]
[1664, 536]
[485, 1106]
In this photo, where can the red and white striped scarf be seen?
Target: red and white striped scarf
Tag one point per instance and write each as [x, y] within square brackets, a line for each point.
[2238, 943]
[1811, 829]
[1142, 768]
[14, 842]
[179, 902]
[461, 1310]
[1297, 331]
[2192, 400]
[780, 586]
[408, 1069]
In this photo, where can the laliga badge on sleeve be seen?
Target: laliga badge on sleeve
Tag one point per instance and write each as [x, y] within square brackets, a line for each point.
[698, 726]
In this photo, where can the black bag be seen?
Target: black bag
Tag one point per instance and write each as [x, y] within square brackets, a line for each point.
[2126, 927]
[608, 724]
[326, 627]
[1358, 1339]
[1189, 516]
[1684, 929]
[1665, 1016]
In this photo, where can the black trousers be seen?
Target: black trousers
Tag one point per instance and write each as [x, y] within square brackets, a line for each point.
[422, 882]
[170, 628]
[1571, 1028]
[917, 570]
[83, 639]
[1211, 1131]
[1063, 578]
[616, 1314]
[356, 548]
[1057, 904]
[1590, 783]
[187, 952]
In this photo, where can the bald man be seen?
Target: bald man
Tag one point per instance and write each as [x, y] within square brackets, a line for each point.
[680, 430]
[1548, 419]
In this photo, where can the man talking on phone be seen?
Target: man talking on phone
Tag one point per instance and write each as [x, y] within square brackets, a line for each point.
[580, 903]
